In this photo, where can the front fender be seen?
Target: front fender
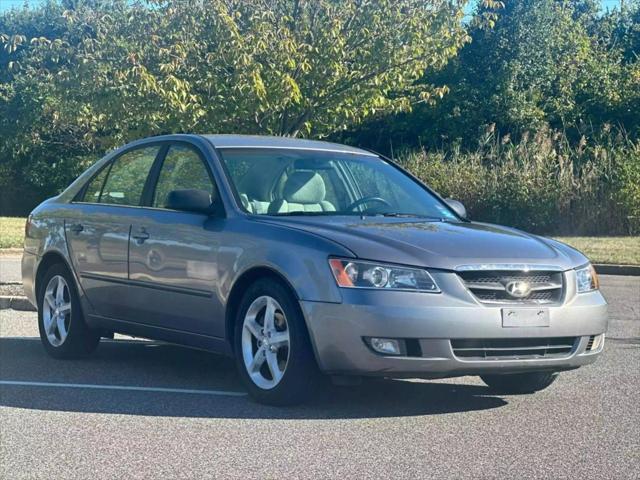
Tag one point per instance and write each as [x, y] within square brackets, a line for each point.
[299, 257]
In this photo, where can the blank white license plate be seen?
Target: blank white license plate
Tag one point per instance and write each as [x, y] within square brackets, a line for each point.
[525, 317]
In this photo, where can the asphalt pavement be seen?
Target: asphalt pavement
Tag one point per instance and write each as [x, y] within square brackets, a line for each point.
[10, 269]
[139, 409]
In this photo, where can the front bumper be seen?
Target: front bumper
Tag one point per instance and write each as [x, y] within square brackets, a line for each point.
[433, 320]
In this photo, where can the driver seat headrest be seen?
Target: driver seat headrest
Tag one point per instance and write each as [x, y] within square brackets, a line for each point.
[304, 186]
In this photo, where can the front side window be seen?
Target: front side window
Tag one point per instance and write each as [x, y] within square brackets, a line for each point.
[297, 182]
[127, 176]
[182, 169]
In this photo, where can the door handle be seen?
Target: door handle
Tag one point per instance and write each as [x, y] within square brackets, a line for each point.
[76, 228]
[141, 236]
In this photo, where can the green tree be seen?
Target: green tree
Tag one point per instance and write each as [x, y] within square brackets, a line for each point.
[81, 77]
[559, 64]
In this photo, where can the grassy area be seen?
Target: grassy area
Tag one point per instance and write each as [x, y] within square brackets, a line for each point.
[625, 250]
[599, 249]
[11, 232]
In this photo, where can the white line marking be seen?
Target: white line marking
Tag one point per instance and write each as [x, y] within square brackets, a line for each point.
[123, 387]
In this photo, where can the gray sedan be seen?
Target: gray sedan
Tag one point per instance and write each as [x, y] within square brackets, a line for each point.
[301, 258]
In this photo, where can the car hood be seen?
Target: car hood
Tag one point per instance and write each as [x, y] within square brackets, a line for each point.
[444, 245]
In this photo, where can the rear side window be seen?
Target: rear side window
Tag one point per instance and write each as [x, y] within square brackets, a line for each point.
[127, 177]
[182, 169]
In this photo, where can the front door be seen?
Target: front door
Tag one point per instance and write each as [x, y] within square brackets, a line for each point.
[97, 228]
[173, 255]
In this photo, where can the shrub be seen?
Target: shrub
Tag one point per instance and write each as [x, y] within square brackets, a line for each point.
[541, 184]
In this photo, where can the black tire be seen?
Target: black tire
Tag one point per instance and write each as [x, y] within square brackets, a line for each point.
[519, 383]
[80, 340]
[301, 373]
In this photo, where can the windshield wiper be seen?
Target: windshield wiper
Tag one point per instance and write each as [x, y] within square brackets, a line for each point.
[302, 214]
[410, 215]
[360, 214]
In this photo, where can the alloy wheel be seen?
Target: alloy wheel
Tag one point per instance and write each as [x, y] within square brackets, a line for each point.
[265, 342]
[56, 312]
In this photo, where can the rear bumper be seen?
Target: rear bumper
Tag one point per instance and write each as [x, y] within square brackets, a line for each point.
[28, 267]
[433, 320]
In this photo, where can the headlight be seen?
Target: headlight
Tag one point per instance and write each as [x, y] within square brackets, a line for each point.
[359, 274]
[586, 279]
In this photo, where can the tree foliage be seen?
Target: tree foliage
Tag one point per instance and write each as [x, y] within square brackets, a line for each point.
[80, 77]
[559, 64]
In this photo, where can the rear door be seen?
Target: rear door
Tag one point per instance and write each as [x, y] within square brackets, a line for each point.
[173, 254]
[98, 227]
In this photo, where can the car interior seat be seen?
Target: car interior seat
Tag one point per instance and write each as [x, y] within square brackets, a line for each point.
[303, 191]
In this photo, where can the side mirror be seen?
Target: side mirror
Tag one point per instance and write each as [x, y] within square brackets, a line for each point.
[457, 207]
[197, 201]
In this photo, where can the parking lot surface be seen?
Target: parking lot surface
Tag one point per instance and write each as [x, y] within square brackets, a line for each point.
[139, 409]
[10, 269]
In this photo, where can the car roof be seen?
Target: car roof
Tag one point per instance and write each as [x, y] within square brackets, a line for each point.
[259, 141]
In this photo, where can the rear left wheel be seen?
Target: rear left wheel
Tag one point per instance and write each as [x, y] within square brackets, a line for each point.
[273, 353]
[63, 331]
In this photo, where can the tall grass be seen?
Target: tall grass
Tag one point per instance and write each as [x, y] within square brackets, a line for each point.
[542, 183]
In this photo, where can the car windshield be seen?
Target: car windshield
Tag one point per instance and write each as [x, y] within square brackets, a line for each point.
[315, 182]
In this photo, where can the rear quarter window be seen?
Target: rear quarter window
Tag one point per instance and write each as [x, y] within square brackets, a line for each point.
[94, 187]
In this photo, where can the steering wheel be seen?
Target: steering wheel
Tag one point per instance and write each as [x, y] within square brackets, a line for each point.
[370, 198]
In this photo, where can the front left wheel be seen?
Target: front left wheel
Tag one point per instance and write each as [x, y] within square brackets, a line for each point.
[63, 331]
[272, 348]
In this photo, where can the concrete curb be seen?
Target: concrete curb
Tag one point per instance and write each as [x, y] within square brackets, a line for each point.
[607, 269]
[16, 303]
[10, 252]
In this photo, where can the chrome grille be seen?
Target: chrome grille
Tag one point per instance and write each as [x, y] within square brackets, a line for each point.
[513, 348]
[492, 286]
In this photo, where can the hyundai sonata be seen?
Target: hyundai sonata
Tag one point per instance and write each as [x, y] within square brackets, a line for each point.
[300, 257]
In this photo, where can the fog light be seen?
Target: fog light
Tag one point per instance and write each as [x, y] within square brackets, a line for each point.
[388, 346]
[598, 342]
